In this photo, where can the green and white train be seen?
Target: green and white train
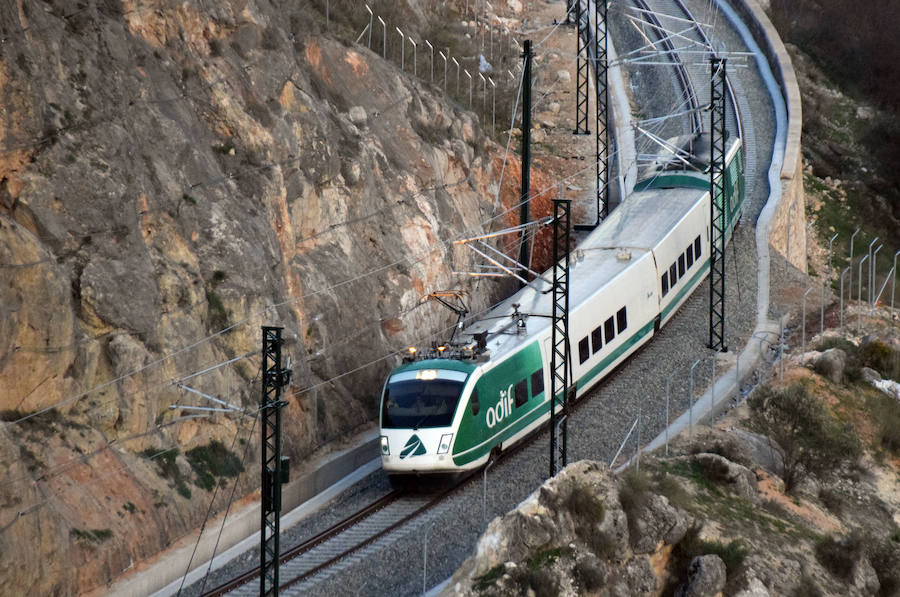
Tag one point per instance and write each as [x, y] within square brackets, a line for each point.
[631, 273]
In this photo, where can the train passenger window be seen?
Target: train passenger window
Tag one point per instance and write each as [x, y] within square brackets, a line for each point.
[584, 351]
[521, 392]
[609, 329]
[473, 402]
[681, 265]
[673, 274]
[621, 320]
[697, 251]
[665, 283]
[690, 255]
[537, 382]
[597, 338]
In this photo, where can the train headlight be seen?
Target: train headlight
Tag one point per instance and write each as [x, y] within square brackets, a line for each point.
[444, 446]
[385, 447]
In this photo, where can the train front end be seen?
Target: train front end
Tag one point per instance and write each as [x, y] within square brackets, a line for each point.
[418, 406]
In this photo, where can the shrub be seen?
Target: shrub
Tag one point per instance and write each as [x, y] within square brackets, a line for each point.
[692, 546]
[832, 500]
[812, 441]
[884, 555]
[584, 504]
[881, 357]
[211, 461]
[885, 412]
[839, 555]
[806, 588]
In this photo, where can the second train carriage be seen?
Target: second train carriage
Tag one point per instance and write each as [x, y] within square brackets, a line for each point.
[627, 278]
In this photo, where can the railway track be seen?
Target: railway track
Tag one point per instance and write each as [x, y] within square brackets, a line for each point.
[305, 565]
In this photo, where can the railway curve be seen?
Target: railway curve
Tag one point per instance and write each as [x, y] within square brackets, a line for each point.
[394, 563]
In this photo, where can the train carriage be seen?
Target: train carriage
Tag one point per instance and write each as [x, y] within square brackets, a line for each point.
[448, 410]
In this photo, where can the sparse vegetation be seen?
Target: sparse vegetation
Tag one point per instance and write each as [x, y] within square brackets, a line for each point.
[812, 441]
[91, 535]
[691, 546]
[839, 555]
[211, 461]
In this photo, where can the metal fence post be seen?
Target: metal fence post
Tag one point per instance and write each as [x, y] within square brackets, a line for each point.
[850, 281]
[402, 49]
[894, 286]
[431, 48]
[803, 322]
[873, 277]
[371, 17]
[844, 273]
[691, 400]
[383, 38]
[859, 292]
[874, 240]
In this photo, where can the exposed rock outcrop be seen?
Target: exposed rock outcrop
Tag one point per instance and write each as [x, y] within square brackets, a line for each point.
[172, 177]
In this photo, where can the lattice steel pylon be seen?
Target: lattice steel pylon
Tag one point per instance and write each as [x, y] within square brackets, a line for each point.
[582, 63]
[559, 354]
[274, 468]
[601, 70]
[717, 206]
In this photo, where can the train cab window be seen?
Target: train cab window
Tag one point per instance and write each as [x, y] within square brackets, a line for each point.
[597, 339]
[521, 392]
[681, 265]
[609, 329]
[697, 252]
[621, 320]
[473, 402]
[673, 274]
[690, 256]
[665, 283]
[584, 351]
[537, 382]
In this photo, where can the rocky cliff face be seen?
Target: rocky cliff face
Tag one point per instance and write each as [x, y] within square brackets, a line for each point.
[168, 173]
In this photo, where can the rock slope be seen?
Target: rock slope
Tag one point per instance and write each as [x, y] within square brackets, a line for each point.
[173, 176]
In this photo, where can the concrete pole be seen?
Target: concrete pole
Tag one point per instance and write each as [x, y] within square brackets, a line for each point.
[859, 291]
[850, 281]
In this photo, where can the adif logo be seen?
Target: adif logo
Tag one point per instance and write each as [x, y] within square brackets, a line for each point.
[413, 447]
[502, 409]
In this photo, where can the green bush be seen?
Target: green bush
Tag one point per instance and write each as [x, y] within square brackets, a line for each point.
[882, 358]
[211, 461]
[691, 546]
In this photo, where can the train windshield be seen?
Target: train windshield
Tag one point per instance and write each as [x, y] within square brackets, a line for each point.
[423, 398]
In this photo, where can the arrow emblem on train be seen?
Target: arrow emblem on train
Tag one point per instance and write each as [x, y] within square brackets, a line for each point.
[413, 447]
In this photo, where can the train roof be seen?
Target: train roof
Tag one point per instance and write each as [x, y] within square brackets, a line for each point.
[628, 235]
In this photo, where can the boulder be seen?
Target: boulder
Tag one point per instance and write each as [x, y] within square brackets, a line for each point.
[869, 375]
[706, 577]
[761, 450]
[654, 523]
[864, 577]
[738, 478]
[831, 364]
[358, 115]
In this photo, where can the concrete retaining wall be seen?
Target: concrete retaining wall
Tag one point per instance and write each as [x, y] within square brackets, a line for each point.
[789, 220]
